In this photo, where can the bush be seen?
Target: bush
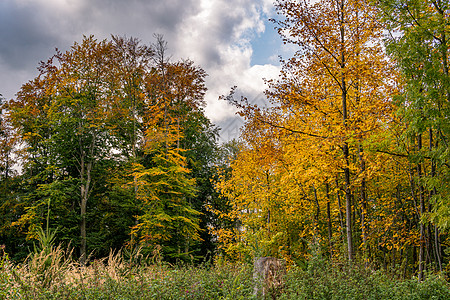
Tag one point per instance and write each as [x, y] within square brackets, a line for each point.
[55, 275]
[321, 280]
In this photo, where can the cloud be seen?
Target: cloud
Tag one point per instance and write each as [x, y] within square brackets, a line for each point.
[215, 34]
[219, 38]
[23, 34]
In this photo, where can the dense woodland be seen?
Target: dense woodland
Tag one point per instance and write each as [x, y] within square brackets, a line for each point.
[109, 147]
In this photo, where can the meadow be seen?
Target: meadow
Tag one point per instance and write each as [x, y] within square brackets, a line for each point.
[54, 274]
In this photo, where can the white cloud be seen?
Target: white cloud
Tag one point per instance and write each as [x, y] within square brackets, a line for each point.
[218, 38]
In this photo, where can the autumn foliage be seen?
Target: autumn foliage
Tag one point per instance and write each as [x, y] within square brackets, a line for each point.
[337, 165]
[349, 163]
[105, 139]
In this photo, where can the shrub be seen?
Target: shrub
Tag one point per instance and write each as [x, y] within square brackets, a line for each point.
[55, 275]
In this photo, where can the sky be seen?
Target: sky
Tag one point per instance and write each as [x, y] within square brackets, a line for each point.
[232, 40]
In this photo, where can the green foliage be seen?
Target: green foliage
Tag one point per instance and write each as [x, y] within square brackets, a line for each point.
[320, 279]
[167, 217]
[46, 240]
[115, 137]
[115, 277]
[420, 46]
[200, 140]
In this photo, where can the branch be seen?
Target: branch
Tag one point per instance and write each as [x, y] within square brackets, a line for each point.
[288, 129]
[392, 153]
[401, 154]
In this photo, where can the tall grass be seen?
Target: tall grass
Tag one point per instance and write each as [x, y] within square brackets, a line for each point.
[55, 275]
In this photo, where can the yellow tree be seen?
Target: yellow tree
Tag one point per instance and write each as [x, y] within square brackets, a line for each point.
[164, 185]
[331, 98]
[338, 84]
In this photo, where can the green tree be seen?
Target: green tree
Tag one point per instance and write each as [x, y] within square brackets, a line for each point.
[419, 42]
[73, 101]
[172, 169]
[200, 141]
[9, 185]
[112, 138]
[167, 221]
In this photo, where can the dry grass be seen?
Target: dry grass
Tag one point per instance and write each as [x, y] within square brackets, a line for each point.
[54, 274]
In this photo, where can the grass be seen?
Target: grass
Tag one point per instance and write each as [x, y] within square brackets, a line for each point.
[55, 275]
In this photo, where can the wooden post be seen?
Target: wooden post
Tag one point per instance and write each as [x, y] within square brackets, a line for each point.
[268, 274]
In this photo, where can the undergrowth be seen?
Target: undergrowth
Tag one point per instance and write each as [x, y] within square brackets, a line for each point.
[55, 275]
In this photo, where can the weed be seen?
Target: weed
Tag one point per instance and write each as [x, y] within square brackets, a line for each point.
[55, 275]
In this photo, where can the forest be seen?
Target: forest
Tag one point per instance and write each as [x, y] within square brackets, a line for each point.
[109, 149]
[352, 158]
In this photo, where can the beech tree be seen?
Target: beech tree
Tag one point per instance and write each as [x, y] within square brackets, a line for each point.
[352, 151]
[9, 206]
[73, 101]
[6, 146]
[111, 107]
[419, 44]
[333, 95]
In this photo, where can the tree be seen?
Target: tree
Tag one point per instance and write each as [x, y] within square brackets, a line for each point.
[419, 44]
[200, 141]
[174, 134]
[167, 219]
[113, 140]
[74, 102]
[131, 108]
[6, 147]
[9, 185]
[332, 98]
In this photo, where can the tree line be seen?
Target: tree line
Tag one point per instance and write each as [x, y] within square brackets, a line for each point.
[351, 161]
[110, 144]
[109, 147]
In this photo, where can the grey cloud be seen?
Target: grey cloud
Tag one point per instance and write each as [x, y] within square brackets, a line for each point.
[30, 31]
[211, 56]
[23, 34]
[171, 13]
[139, 18]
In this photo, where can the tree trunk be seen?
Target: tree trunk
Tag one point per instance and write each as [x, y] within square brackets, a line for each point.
[348, 212]
[329, 220]
[432, 193]
[85, 187]
[341, 218]
[437, 244]
[345, 148]
[268, 276]
[363, 200]
[85, 177]
[317, 215]
[83, 206]
[422, 210]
